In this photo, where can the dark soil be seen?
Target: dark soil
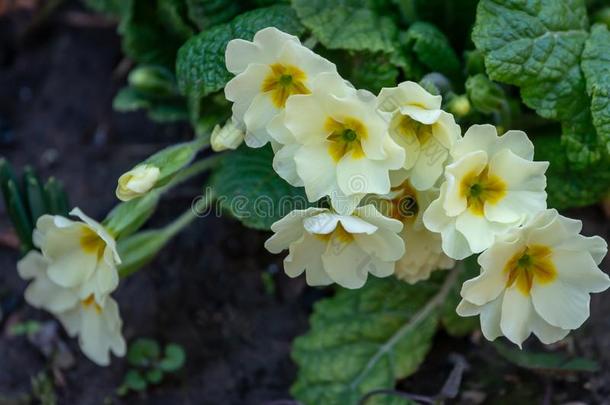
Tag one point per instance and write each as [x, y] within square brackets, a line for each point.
[205, 291]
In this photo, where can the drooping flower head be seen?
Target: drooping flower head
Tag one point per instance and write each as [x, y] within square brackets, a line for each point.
[337, 248]
[536, 279]
[338, 142]
[491, 186]
[97, 325]
[423, 252]
[270, 69]
[81, 255]
[426, 132]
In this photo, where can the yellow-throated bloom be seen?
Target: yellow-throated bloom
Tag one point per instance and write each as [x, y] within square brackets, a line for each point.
[426, 132]
[270, 69]
[491, 186]
[137, 182]
[335, 143]
[536, 279]
[337, 248]
[81, 255]
[423, 251]
[97, 325]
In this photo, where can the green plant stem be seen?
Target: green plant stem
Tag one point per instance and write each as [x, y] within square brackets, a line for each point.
[194, 169]
[432, 305]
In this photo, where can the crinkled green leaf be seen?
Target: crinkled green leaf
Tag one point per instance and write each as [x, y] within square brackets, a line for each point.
[431, 48]
[207, 13]
[201, 63]
[568, 186]
[372, 72]
[537, 45]
[596, 67]
[363, 340]
[347, 24]
[249, 189]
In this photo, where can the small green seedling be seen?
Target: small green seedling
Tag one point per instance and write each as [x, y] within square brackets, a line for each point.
[149, 365]
[26, 328]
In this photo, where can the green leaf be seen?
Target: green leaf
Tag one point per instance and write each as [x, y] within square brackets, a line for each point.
[135, 381]
[596, 68]
[363, 340]
[56, 197]
[372, 72]
[173, 14]
[174, 358]
[146, 37]
[143, 352]
[432, 48]
[544, 361]
[454, 324]
[154, 376]
[200, 66]
[537, 46]
[207, 13]
[154, 80]
[18, 214]
[567, 186]
[486, 96]
[349, 24]
[34, 195]
[249, 189]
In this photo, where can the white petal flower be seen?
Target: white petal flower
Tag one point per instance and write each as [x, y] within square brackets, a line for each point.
[423, 251]
[536, 279]
[331, 247]
[137, 182]
[230, 136]
[420, 126]
[270, 69]
[491, 186]
[98, 326]
[338, 141]
[81, 255]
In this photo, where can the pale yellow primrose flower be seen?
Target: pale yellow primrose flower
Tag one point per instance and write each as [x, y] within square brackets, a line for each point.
[335, 143]
[337, 248]
[98, 326]
[423, 250]
[81, 255]
[536, 279]
[426, 132]
[491, 186]
[230, 136]
[270, 69]
[137, 182]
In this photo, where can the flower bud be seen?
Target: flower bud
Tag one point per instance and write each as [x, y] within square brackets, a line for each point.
[137, 182]
[228, 137]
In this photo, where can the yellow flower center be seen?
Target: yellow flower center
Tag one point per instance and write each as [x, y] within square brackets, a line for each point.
[530, 264]
[282, 82]
[404, 206]
[482, 188]
[90, 302]
[338, 235]
[411, 130]
[91, 243]
[345, 137]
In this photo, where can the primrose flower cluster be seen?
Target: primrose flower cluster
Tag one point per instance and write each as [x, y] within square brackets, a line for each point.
[72, 276]
[407, 193]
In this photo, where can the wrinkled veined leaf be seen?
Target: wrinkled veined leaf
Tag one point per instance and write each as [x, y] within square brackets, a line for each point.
[200, 66]
[537, 46]
[596, 67]
[432, 48]
[207, 13]
[349, 24]
[544, 361]
[248, 188]
[365, 339]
